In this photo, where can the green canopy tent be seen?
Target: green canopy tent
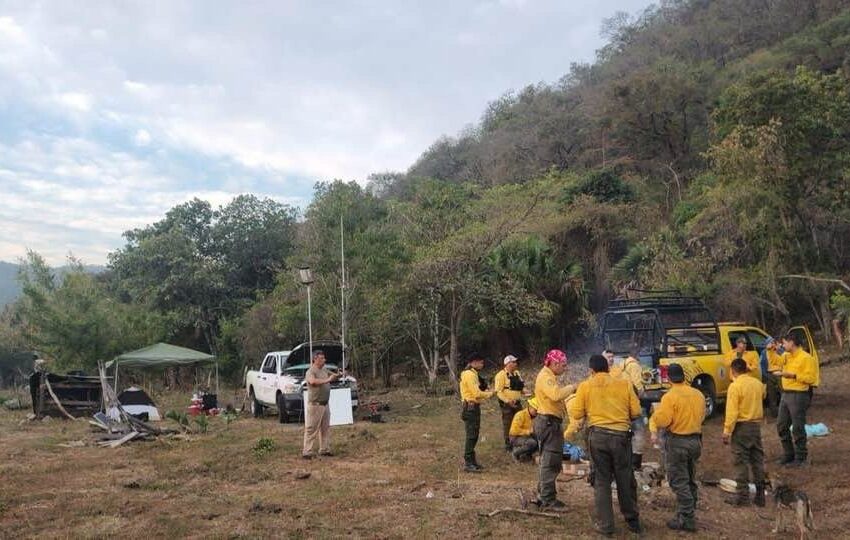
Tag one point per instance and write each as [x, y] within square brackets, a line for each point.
[163, 355]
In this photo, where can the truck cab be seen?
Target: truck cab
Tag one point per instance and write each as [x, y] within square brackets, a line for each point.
[665, 327]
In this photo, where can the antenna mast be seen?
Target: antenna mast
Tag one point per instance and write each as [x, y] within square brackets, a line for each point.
[342, 287]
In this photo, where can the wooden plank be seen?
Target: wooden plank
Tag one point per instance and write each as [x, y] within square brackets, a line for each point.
[128, 437]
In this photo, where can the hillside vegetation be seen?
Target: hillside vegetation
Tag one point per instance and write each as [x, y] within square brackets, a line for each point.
[706, 149]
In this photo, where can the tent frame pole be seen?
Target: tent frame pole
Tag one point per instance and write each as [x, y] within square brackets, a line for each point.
[116, 376]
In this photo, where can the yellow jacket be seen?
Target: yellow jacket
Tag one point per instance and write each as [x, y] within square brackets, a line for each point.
[469, 390]
[750, 357]
[605, 402]
[633, 372]
[502, 387]
[522, 424]
[775, 361]
[743, 402]
[551, 395]
[681, 411]
[804, 366]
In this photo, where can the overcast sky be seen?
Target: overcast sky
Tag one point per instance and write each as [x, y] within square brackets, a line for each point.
[113, 112]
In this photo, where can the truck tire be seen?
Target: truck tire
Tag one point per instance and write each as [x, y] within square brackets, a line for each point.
[256, 406]
[706, 386]
[282, 415]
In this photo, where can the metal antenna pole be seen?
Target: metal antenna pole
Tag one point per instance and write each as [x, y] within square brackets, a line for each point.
[309, 323]
[342, 287]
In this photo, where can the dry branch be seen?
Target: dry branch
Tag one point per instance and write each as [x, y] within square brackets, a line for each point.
[519, 511]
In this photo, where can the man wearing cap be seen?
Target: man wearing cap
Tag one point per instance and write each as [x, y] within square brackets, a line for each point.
[750, 357]
[473, 390]
[744, 415]
[799, 374]
[681, 412]
[508, 386]
[523, 443]
[547, 426]
[608, 405]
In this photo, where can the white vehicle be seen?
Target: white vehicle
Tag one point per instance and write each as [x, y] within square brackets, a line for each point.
[280, 381]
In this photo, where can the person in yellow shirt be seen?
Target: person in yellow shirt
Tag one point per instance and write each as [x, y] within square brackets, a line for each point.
[744, 415]
[547, 426]
[523, 443]
[473, 390]
[775, 361]
[680, 412]
[632, 371]
[508, 386]
[750, 357]
[608, 405]
[799, 374]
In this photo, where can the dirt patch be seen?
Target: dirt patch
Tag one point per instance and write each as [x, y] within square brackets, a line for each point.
[394, 480]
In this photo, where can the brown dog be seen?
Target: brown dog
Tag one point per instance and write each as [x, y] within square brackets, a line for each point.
[790, 499]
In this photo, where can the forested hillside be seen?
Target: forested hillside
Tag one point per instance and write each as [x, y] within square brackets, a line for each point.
[707, 149]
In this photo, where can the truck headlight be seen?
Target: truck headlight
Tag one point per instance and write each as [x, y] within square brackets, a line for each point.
[291, 388]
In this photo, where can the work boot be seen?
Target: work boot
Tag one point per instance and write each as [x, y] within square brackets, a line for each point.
[785, 460]
[681, 524]
[634, 525]
[552, 506]
[470, 466]
[637, 461]
[739, 499]
[758, 499]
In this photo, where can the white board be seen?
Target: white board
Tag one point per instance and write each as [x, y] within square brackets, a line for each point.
[340, 406]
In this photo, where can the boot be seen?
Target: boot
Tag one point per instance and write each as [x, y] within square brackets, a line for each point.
[469, 465]
[682, 524]
[637, 461]
[758, 499]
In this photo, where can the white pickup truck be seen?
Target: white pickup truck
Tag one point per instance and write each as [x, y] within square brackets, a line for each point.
[280, 382]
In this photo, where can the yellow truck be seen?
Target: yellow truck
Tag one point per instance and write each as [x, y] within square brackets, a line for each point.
[665, 327]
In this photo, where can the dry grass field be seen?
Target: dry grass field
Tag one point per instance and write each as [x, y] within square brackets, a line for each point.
[216, 486]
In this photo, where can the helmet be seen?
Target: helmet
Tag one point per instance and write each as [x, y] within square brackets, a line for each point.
[533, 403]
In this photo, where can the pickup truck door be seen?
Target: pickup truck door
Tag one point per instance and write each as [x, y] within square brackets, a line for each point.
[267, 372]
[808, 345]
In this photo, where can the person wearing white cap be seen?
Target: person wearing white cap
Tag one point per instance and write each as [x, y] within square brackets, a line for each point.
[508, 387]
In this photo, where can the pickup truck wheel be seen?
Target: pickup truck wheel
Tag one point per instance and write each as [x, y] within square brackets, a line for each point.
[256, 406]
[282, 415]
[707, 388]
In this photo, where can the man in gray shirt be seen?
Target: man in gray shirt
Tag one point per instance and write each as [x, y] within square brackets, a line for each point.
[317, 415]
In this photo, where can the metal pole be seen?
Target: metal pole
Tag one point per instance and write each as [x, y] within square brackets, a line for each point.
[342, 288]
[309, 324]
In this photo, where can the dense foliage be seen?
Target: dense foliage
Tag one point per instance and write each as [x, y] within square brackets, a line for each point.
[707, 149]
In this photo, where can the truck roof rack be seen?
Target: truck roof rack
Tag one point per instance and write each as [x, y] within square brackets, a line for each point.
[673, 298]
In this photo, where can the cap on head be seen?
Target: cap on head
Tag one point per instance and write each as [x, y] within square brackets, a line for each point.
[317, 353]
[554, 356]
[598, 363]
[533, 403]
[509, 358]
[741, 340]
[769, 340]
[675, 373]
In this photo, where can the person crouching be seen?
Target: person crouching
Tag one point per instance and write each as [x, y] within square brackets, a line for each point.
[523, 442]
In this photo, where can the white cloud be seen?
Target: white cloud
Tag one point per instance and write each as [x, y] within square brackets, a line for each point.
[142, 137]
[76, 100]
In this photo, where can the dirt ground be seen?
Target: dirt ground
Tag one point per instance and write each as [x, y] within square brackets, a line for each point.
[400, 479]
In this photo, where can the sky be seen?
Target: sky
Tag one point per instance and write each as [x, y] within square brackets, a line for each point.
[113, 112]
